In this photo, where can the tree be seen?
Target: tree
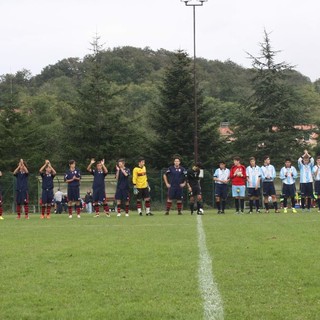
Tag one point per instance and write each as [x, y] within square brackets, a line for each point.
[267, 122]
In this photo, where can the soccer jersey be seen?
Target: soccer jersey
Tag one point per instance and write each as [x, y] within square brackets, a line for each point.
[98, 180]
[176, 176]
[139, 177]
[123, 182]
[268, 173]
[253, 176]
[47, 180]
[305, 170]
[193, 178]
[315, 171]
[70, 174]
[22, 181]
[221, 174]
[237, 180]
[288, 175]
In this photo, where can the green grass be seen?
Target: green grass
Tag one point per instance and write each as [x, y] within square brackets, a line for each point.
[266, 266]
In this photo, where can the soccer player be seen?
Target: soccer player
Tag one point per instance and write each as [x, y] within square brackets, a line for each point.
[288, 175]
[305, 164]
[175, 180]
[141, 186]
[316, 175]
[22, 198]
[122, 190]
[238, 177]
[253, 184]
[72, 178]
[194, 188]
[1, 209]
[98, 186]
[47, 174]
[221, 178]
[268, 174]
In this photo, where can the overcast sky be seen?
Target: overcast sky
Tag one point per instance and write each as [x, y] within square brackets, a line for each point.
[36, 33]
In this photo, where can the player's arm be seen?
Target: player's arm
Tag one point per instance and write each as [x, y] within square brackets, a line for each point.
[16, 169]
[104, 168]
[165, 179]
[134, 176]
[92, 161]
[53, 171]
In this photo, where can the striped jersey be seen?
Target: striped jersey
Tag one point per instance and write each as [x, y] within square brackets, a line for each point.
[288, 175]
[316, 172]
[253, 176]
[268, 173]
[221, 174]
[305, 170]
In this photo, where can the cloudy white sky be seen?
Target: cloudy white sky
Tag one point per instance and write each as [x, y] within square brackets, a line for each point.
[36, 33]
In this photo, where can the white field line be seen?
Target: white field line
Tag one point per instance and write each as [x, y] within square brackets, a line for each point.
[212, 302]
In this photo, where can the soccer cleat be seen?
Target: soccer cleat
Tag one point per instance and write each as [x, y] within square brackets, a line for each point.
[96, 216]
[219, 212]
[222, 212]
[179, 213]
[119, 215]
[237, 212]
[27, 217]
[258, 211]
[107, 214]
[285, 210]
[167, 213]
[149, 214]
[42, 216]
[267, 211]
[200, 213]
[1, 218]
[277, 211]
[78, 216]
[249, 212]
[127, 214]
[294, 210]
[18, 217]
[70, 216]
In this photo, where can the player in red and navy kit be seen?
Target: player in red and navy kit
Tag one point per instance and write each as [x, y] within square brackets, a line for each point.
[122, 191]
[175, 180]
[1, 210]
[72, 178]
[98, 186]
[22, 198]
[47, 174]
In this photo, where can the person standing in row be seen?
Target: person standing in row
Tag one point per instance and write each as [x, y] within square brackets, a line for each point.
[22, 197]
[194, 188]
[238, 178]
[47, 174]
[98, 186]
[268, 174]
[58, 200]
[305, 164]
[141, 186]
[221, 178]
[72, 178]
[253, 184]
[316, 175]
[288, 175]
[122, 191]
[175, 181]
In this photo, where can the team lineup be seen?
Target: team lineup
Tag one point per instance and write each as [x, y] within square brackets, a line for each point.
[245, 181]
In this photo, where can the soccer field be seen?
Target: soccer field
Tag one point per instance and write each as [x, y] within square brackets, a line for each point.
[161, 267]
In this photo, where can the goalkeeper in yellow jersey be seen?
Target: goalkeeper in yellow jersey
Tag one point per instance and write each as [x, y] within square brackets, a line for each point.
[141, 187]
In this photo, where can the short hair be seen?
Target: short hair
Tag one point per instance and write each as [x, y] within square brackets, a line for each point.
[252, 158]
[288, 159]
[176, 156]
[141, 159]
[236, 158]
[221, 161]
[121, 160]
[71, 162]
[265, 158]
[318, 157]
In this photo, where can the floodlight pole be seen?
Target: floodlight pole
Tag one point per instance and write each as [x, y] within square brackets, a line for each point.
[194, 4]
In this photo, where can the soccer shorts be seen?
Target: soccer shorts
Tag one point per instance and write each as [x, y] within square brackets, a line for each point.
[196, 191]
[221, 190]
[253, 192]
[288, 190]
[238, 191]
[73, 194]
[175, 193]
[99, 195]
[317, 187]
[22, 197]
[268, 189]
[47, 196]
[306, 189]
[122, 194]
[143, 193]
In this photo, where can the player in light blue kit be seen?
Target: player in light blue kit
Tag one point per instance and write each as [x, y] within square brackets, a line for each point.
[253, 184]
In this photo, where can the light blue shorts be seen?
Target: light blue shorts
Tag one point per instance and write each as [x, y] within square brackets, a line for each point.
[238, 191]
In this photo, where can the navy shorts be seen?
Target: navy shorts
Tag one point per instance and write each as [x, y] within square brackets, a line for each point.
[306, 189]
[268, 189]
[221, 190]
[47, 196]
[122, 194]
[288, 190]
[317, 187]
[99, 195]
[73, 193]
[196, 191]
[143, 193]
[22, 197]
[175, 193]
[253, 192]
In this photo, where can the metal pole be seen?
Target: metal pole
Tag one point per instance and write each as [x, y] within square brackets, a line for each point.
[196, 145]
